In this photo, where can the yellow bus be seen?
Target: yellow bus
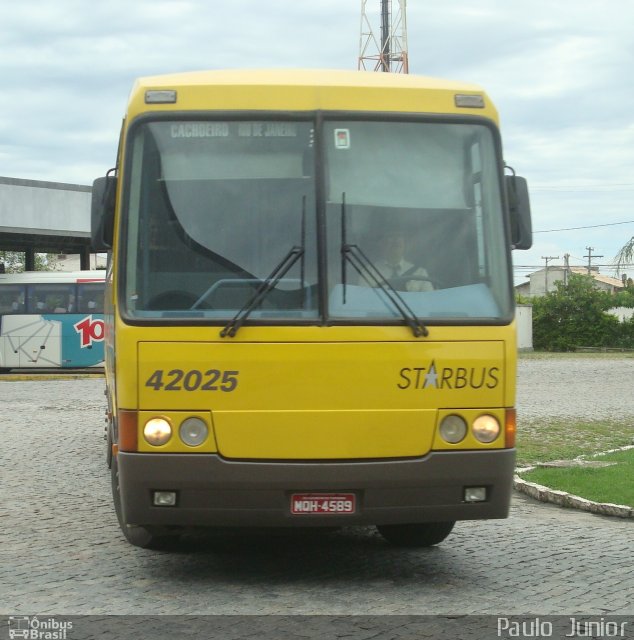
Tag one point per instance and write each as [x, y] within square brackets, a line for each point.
[309, 304]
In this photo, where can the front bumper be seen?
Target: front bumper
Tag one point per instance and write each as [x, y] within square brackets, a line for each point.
[212, 491]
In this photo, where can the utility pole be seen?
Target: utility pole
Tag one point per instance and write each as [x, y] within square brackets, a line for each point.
[389, 52]
[566, 268]
[547, 259]
[590, 256]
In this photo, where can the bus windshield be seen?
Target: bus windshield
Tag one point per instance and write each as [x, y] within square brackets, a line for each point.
[213, 208]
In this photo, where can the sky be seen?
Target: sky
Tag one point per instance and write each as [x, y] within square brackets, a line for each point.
[560, 74]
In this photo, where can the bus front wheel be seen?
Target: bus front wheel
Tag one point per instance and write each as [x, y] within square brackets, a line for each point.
[135, 535]
[108, 438]
[424, 534]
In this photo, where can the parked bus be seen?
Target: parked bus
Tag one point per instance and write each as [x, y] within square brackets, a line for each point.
[51, 319]
[310, 312]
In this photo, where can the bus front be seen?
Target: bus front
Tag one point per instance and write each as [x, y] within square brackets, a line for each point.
[311, 307]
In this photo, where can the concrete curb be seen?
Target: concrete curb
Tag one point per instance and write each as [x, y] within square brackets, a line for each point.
[563, 499]
[31, 377]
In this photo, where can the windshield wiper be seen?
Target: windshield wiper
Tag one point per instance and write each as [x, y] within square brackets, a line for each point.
[266, 286]
[353, 254]
[270, 282]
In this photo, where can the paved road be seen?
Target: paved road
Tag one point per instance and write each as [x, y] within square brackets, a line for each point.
[590, 387]
[61, 551]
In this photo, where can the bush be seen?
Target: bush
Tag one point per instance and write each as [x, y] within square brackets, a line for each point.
[574, 315]
[626, 334]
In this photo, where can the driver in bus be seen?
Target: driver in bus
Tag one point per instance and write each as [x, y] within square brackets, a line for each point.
[395, 268]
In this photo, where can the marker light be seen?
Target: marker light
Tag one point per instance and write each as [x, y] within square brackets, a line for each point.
[160, 96]
[453, 429]
[486, 428]
[193, 432]
[510, 429]
[157, 431]
[469, 101]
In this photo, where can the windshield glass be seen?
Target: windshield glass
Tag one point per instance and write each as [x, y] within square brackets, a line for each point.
[422, 202]
[213, 209]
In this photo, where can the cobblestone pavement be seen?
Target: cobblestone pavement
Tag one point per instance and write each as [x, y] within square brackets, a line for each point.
[591, 387]
[61, 551]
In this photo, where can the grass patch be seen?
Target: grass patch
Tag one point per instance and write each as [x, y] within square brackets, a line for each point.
[566, 439]
[613, 484]
[541, 440]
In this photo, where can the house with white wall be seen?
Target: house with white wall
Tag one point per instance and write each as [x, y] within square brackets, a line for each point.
[543, 280]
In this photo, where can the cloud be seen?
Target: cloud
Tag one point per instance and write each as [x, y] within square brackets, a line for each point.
[559, 73]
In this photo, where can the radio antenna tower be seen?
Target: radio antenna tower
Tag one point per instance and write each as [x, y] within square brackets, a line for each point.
[389, 52]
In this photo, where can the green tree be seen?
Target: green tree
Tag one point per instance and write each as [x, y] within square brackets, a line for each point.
[626, 334]
[625, 255]
[14, 261]
[624, 298]
[574, 315]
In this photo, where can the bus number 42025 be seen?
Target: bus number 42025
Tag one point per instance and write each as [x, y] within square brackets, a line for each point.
[193, 380]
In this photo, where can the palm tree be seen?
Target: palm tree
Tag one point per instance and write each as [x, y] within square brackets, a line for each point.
[625, 254]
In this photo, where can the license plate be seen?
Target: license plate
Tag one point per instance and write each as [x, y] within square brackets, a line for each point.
[322, 503]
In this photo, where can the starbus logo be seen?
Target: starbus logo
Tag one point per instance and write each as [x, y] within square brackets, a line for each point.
[89, 330]
[437, 377]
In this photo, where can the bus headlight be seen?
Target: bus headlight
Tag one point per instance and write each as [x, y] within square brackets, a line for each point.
[157, 431]
[486, 428]
[453, 429]
[193, 432]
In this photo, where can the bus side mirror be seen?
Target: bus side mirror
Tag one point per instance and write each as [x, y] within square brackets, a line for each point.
[520, 212]
[102, 213]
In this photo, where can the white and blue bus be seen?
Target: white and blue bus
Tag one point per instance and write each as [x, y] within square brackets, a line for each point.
[51, 319]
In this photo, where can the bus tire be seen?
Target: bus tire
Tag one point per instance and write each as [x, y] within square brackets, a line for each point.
[108, 439]
[423, 534]
[134, 534]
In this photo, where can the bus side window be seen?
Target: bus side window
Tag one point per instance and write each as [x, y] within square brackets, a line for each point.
[91, 298]
[50, 298]
[11, 299]
[32, 301]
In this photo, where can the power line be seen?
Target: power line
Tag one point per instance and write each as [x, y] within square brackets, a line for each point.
[583, 187]
[608, 267]
[591, 226]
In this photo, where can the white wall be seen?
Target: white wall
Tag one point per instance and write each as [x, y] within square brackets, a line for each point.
[27, 205]
[622, 313]
[524, 318]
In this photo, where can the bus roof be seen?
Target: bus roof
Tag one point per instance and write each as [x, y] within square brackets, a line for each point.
[52, 277]
[309, 90]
